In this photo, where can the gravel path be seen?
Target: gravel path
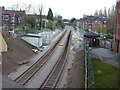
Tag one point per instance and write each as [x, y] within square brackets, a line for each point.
[75, 76]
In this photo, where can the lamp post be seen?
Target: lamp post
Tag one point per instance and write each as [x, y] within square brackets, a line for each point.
[13, 25]
[104, 42]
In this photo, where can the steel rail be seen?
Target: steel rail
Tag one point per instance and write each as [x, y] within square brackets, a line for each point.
[48, 54]
[53, 77]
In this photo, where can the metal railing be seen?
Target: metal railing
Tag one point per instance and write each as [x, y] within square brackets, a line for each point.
[89, 74]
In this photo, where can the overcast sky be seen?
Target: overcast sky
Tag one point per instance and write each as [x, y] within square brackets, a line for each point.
[66, 8]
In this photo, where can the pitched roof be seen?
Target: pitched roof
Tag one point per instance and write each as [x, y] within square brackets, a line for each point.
[93, 19]
[91, 35]
[101, 18]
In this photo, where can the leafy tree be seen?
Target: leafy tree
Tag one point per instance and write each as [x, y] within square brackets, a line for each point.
[50, 25]
[31, 21]
[72, 20]
[111, 20]
[59, 22]
[50, 15]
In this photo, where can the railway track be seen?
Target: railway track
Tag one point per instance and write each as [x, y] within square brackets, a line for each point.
[26, 76]
[53, 78]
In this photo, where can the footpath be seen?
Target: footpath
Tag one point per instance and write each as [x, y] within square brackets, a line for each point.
[106, 55]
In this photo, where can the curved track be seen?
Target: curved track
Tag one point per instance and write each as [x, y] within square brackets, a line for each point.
[53, 78]
[26, 76]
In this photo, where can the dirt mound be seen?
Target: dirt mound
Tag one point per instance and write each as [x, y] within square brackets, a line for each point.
[19, 50]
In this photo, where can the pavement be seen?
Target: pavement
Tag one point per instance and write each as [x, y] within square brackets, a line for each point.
[106, 55]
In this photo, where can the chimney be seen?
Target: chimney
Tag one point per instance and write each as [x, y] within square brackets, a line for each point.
[3, 8]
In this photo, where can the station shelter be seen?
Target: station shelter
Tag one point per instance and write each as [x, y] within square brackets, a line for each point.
[92, 38]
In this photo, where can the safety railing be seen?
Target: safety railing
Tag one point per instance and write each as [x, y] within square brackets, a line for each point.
[89, 74]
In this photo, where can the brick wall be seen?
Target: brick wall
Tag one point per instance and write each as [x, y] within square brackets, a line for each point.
[117, 28]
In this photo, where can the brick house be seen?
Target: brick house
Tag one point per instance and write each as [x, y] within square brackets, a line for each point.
[90, 22]
[77, 23]
[11, 18]
[102, 21]
[116, 43]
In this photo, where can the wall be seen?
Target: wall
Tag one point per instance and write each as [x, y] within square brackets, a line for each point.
[117, 29]
[3, 45]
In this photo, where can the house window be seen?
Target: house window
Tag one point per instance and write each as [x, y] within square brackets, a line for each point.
[119, 10]
[105, 22]
[12, 19]
[6, 17]
[2, 17]
[118, 25]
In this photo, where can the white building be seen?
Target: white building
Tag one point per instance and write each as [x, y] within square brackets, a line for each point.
[34, 39]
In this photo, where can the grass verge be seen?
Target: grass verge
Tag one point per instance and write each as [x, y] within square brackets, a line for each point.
[105, 75]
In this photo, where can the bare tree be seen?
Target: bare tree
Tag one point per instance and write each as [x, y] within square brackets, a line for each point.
[109, 12]
[33, 9]
[101, 13]
[14, 7]
[105, 12]
[84, 15]
[96, 13]
[29, 7]
[26, 7]
[40, 9]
